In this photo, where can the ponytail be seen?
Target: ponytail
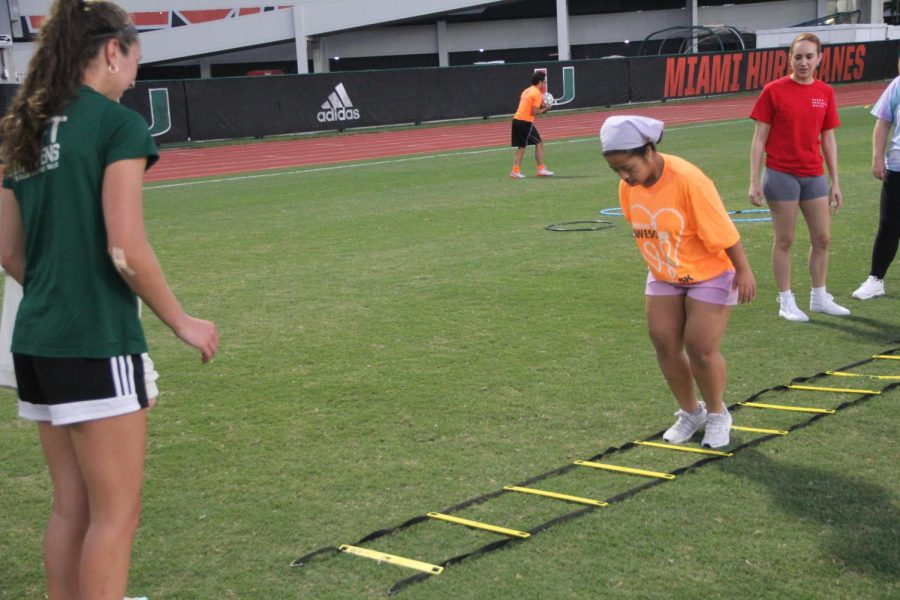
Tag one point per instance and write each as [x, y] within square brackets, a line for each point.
[70, 38]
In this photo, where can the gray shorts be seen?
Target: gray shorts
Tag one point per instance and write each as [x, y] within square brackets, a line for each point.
[778, 186]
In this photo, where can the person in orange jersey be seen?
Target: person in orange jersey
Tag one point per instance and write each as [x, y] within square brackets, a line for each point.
[524, 133]
[697, 270]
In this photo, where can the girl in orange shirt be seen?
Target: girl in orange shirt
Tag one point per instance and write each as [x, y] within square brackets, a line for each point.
[697, 270]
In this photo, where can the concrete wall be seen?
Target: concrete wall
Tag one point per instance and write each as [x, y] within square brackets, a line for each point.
[471, 36]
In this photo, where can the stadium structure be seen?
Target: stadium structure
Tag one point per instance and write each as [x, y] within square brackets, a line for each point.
[223, 38]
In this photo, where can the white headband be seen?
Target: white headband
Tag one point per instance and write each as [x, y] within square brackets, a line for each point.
[627, 132]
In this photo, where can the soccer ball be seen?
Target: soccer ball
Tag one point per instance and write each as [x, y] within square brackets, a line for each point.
[548, 100]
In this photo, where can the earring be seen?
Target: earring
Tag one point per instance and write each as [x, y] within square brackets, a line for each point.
[113, 69]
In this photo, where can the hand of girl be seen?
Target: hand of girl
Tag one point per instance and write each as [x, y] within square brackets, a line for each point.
[835, 198]
[755, 194]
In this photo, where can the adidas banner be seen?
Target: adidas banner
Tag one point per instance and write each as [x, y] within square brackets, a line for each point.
[260, 106]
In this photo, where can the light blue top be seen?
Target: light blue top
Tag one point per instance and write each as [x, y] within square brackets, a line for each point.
[888, 109]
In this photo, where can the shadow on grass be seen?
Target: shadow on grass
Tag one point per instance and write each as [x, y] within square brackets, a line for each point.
[862, 327]
[861, 519]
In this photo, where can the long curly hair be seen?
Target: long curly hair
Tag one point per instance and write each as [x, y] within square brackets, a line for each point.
[70, 37]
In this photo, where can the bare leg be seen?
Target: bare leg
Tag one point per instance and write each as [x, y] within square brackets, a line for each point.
[69, 517]
[517, 161]
[703, 331]
[111, 455]
[818, 220]
[784, 220]
[539, 153]
[666, 323]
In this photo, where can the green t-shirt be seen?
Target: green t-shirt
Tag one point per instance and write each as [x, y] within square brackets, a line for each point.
[75, 303]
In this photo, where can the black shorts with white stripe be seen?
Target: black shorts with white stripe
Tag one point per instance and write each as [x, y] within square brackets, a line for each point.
[524, 133]
[71, 390]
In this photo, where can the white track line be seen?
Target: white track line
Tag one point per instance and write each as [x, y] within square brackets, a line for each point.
[398, 160]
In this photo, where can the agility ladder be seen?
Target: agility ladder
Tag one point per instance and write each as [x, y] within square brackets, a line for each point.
[509, 536]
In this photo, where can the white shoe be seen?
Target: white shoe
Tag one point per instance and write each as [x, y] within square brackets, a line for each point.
[517, 175]
[870, 288]
[686, 426]
[718, 430]
[789, 309]
[827, 305]
[544, 173]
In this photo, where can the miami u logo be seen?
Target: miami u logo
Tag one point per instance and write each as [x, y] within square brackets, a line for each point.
[160, 115]
[568, 94]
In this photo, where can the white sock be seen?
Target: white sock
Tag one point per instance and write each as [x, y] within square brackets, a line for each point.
[819, 292]
[785, 295]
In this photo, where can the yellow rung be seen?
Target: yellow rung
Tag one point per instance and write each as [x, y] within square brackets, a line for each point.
[825, 411]
[394, 560]
[816, 388]
[758, 430]
[479, 525]
[887, 356]
[596, 465]
[684, 448]
[846, 374]
[566, 497]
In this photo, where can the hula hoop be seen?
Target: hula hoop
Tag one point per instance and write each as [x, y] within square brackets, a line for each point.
[616, 211]
[744, 211]
[589, 226]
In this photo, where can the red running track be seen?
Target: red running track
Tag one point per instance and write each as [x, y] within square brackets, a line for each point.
[228, 160]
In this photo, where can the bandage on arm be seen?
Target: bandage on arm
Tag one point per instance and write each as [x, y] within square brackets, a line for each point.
[129, 249]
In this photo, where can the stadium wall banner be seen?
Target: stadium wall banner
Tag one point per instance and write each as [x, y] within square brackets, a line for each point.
[688, 76]
[223, 108]
[164, 105]
[261, 106]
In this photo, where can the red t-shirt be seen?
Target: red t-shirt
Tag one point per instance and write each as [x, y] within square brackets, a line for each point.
[797, 115]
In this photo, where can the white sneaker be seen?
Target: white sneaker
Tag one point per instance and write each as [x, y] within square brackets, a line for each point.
[870, 288]
[718, 430]
[686, 426]
[789, 309]
[826, 304]
[544, 173]
[517, 175]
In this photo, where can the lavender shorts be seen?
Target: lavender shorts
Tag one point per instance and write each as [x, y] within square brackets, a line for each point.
[717, 290]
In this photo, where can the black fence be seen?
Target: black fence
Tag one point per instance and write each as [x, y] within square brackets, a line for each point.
[203, 109]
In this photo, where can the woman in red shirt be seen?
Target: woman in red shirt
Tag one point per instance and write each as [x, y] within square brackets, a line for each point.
[795, 121]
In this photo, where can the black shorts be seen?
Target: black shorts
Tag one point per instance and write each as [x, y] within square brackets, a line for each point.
[524, 133]
[71, 390]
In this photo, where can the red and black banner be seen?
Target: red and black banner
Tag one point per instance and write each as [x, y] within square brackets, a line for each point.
[709, 74]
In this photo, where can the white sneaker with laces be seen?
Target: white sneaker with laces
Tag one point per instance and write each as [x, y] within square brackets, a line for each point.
[870, 288]
[826, 304]
[517, 175]
[686, 426]
[718, 430]
[789, 310]
[544, 173]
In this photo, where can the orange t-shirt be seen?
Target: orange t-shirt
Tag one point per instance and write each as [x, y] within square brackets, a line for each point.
[680, 224]
[530, 98]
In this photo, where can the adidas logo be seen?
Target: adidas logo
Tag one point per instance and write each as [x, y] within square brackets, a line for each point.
[338, 107]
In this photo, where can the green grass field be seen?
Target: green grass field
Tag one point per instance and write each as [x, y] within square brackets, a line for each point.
[403, 336]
